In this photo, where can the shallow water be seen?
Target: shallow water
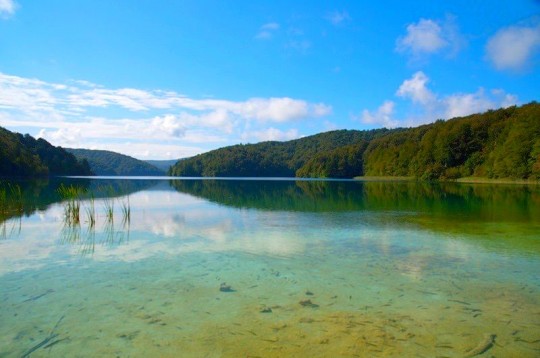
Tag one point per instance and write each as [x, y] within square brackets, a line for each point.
[315, 268]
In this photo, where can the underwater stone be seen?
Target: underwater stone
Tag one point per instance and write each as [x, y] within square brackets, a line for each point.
[266, 310]
[308, 303]
[225, 288]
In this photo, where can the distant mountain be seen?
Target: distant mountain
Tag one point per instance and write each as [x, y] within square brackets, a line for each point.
[503, 143]
[270, 159]
[23, 155]
[104, 162]
[163, 165]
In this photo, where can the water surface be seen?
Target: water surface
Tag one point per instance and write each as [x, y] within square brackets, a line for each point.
[315, 268]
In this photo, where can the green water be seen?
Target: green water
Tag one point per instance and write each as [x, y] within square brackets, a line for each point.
[315, 268]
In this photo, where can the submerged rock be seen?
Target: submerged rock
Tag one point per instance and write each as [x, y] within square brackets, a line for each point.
[266, 310]
[308, 303]
[225, 288]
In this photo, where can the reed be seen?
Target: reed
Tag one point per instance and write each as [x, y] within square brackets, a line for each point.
[126, 210]
[3, 211]
[71, 232]
[11, 205]
[91, 211]
[108, 203]
[72, 207]
[88, 246]
[16, 198]
[3, 201]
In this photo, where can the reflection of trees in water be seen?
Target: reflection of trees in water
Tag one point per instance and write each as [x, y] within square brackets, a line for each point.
[11, 206]
[80, 217]
[470, 202]
[38, 195]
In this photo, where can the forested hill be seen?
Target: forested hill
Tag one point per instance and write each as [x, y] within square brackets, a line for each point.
[103, 162]
[26, 156]
[269, 159]
[502, 143]
[496, 144]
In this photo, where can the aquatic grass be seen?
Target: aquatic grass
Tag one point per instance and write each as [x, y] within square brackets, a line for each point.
[71, 232]
[108, 229]
[11, 199]
[88, 246]
[108, 203]
[11, 205]
[3, 230]
[3, 200]
[16, 198]
[91, 211]
[6, 232]
[72, 207]
[126, 210]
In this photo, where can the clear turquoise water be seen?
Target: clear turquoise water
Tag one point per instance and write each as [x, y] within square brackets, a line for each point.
[341, 268]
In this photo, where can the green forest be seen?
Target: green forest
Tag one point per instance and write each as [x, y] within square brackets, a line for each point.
[270, 159]
[25, 156]
[104, 162]
[496, 144]
[503, 143]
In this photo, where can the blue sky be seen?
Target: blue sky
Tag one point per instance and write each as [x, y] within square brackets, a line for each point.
[169, 79]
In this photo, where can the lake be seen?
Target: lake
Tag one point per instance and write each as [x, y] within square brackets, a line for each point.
[262, 268]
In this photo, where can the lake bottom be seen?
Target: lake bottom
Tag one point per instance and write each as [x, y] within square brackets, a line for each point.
[361, 293]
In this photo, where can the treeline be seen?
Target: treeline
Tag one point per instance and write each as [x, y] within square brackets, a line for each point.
[25, 156]
[343, 162]
[270, 159]
[496, 144]
[502, 143]
[103, 162]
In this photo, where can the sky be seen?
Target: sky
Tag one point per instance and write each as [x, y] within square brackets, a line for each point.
[164, 79]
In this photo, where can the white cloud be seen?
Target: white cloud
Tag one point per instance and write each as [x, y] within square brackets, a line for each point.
[26, 94]
[22, 94]
[382, 116]
[423, 37]
[7, 8]
[270, 26]
[338, 17]
[299, 45]
[427, 37]
[169, 124]
[272, 134]
[267, 31]
[279, 109]
[67, 136]
[513, 47]
[164, 118]
[416, 89]
[462, 104]
[430, 106]
[435, 106]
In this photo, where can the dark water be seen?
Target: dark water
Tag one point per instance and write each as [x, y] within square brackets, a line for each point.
[306, 268]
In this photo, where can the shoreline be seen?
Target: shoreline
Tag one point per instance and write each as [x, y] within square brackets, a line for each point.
[464, 180]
